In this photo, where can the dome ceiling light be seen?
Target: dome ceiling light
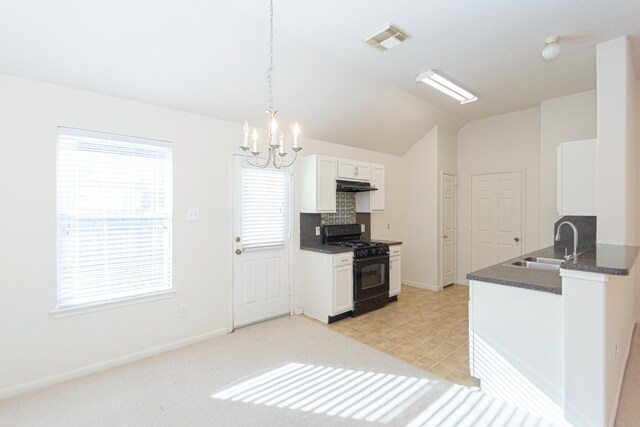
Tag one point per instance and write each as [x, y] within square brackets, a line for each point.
[551, 49]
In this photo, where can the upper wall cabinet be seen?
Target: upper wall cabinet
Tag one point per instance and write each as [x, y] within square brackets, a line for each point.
[318, 184]
[353, 170]
[373, 201]
[578, 178]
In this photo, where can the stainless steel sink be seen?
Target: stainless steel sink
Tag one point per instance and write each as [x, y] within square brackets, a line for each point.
[538, 263]
[545, 260]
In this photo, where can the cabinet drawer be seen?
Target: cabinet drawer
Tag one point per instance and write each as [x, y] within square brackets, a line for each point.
[343, 259]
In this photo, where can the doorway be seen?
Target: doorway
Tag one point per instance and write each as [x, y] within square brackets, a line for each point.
[260, 243]
[448, 229]
[496, 218]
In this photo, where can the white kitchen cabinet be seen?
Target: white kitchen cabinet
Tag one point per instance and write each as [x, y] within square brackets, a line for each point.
[395, 270]
[373, 201]
[353, 170]
[577, 178]
[318, 184]
[328, 284]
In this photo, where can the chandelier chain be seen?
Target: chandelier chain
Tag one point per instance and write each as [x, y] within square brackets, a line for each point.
[270, 69]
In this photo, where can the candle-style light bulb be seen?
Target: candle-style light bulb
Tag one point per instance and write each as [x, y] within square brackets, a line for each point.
[245, 129]
[255, 140]
[274, 131]
[296, 131]
[281, 142]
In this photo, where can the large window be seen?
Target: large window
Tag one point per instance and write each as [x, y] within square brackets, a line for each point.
[114, 217]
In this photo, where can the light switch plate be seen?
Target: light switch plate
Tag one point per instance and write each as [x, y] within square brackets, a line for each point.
[317, 231]
[362, 230]
[193, 214]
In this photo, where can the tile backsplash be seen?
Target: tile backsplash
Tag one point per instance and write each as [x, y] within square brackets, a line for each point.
[345, 210]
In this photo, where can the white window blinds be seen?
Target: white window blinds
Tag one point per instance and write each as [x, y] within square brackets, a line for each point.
[264, 197]
[114, 205]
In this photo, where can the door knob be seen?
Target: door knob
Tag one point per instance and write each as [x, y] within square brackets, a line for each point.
[516, 239]
[446, 236]
[238, 252]
[237, 239]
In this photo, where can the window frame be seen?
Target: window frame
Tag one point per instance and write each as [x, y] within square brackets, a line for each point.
[110, 300]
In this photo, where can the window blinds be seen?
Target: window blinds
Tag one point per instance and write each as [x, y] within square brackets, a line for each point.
[114, 205]
[264, 196]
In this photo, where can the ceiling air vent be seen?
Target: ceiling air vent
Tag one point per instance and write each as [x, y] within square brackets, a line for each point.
[386, 38]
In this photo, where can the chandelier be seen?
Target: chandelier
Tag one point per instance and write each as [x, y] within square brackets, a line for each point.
[275, 144]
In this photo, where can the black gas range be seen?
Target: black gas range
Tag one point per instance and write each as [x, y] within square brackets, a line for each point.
[370, 266]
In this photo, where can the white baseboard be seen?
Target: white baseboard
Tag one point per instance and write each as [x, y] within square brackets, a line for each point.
[614, 413]
[422, 285]
[101, 366]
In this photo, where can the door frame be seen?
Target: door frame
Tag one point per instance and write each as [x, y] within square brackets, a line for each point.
[233, 155]
[523, 211]
[440, 229]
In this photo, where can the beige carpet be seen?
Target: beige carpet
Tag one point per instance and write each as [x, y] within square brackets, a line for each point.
[289, 371]
[629, 405]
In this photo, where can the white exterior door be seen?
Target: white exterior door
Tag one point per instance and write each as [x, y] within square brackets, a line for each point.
[261, 243]
[448, 228]
[496, 218]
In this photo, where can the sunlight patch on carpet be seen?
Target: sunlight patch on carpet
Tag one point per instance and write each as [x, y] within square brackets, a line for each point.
[345, 393]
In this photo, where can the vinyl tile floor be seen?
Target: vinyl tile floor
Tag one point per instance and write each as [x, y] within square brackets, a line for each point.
[427, 329]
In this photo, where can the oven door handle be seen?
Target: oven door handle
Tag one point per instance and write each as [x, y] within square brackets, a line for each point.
[371, 258]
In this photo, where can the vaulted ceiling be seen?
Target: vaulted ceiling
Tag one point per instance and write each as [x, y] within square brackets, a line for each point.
[210, 57]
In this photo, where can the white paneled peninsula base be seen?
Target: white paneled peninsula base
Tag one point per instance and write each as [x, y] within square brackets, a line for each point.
[555, 343]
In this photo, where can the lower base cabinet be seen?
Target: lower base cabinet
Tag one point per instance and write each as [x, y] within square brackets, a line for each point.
[328, 284]
[395, 270]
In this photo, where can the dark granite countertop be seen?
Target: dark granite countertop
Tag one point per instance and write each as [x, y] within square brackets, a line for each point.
[326, 249]
[388, 242]
[509, 275]
[604, 259]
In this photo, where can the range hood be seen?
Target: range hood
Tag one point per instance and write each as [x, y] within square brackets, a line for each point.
[353, 186]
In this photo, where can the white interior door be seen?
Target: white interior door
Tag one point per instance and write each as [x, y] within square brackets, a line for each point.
[261, 243]
[496, 218]
[448, 229]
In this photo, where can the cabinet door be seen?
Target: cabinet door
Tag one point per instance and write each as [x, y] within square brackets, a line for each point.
[363, 171]
[346, 169]
[326, 185]
[395, 275]
[577, 177]
[342, 289]
[377, 180]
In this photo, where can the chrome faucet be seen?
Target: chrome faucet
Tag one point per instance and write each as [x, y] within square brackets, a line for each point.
[575, 238]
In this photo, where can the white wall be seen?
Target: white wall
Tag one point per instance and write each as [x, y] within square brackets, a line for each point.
[616, 141]
[505, 143]
[567, 118]
[38, 349]
[420, 213]
[36, 346]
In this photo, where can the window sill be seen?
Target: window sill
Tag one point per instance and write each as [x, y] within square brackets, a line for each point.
[88, 308]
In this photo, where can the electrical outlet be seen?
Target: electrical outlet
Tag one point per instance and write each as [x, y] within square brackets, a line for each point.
[362, 226]
[193, 214]
[184, 311]
[317, 231]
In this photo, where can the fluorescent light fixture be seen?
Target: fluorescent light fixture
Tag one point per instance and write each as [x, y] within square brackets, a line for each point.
[436, 81]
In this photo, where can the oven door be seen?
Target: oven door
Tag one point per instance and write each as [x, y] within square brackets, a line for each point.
[370, 277]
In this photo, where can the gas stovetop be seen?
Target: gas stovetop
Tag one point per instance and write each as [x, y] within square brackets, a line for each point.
[363, 248]
[348, 236]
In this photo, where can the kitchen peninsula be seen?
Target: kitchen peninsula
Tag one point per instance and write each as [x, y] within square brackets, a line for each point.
[555, 342]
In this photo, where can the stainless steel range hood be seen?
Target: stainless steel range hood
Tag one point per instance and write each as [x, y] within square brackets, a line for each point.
[353, 186]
